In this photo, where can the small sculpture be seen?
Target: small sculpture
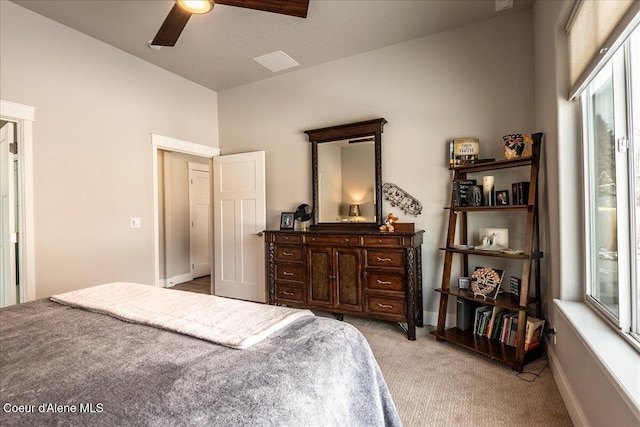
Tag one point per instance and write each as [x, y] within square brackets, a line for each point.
[515, 146]
[388, 224]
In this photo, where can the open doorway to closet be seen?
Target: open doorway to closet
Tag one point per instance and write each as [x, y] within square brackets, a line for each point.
[17, 265]
[185, 217]
[238, 217]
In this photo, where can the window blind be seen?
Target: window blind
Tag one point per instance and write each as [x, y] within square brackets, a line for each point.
[596, 28]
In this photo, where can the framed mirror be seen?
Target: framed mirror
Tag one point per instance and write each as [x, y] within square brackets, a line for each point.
[346, 163]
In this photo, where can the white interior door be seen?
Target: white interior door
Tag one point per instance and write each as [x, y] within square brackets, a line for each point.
[200, 218]
[8, 215]
[239, 219]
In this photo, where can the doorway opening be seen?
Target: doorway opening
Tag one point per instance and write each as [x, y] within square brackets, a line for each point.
[172, 222]
[17, 272]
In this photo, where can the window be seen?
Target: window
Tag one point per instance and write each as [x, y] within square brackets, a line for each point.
[611, 135]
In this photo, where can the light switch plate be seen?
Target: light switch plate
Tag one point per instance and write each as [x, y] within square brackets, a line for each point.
[136, 223]
[503, 4]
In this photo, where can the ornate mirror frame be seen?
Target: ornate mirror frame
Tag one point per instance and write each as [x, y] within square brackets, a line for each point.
[369, 128]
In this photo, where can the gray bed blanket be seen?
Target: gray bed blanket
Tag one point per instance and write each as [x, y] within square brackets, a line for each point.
[65, 366]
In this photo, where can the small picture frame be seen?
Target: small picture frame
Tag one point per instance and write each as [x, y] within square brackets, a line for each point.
[464, 282]
[502, 197]
[286, 221]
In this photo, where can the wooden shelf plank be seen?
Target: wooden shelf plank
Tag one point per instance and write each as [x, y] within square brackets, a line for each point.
[503, 300]
[493, 349]
[490, 208]
[496, 254]
[498, 164]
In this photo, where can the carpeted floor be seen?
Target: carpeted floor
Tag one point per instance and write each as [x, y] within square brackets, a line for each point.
[439, 384]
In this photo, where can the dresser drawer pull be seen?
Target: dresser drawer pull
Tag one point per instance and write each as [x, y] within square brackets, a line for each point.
[286, 273]
[288, 293]
[346, 240]
[287, 238]
[379, 240]
[287, 253]
[385, 305]
[313, 239]
[383, 259]
[383, 282]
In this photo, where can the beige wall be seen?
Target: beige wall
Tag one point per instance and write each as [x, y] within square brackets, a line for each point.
[96, 108]
[472, 81]
[590, 390]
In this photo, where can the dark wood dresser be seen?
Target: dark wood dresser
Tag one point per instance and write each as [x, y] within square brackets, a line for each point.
[364, 273]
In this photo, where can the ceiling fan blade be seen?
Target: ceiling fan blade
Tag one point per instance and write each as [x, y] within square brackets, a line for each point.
[296, 8]
[172, 27]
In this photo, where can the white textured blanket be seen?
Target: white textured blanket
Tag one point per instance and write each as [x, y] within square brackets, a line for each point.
[225, 321]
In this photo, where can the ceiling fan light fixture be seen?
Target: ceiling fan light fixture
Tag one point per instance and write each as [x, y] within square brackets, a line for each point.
[196, 7]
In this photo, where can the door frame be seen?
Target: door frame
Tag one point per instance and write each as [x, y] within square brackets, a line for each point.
[160, 142]
[24, 117]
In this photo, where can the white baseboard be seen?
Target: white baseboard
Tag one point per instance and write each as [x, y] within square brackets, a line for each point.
[175, 280]
[576, 413]
[431, 318]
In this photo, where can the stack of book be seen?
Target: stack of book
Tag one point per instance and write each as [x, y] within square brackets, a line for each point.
[520, 193]
[501, 324]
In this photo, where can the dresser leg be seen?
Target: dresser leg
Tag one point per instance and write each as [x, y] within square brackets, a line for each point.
[409, 329]
[339, 316]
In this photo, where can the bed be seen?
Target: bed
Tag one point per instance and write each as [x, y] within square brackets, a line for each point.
[64, 365]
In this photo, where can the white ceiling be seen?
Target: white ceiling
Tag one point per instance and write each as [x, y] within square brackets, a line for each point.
[217, 50]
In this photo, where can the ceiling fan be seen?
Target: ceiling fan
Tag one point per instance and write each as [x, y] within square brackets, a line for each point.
[182, 10]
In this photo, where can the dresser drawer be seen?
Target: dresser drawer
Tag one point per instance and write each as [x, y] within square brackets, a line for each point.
[289, 293]
[289, 253]
[385, 258]
[385, 281]
[290, 272]
[288, 238]
[385, 305]
[346, 239]
[383, 241]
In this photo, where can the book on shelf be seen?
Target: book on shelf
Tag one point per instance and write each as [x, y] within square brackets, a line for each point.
[461, 188]
[506, 326]
[479, 315]
[520, 193]
[493, 320]
[533, 333]
[512, 340]
[515, 283]
[497, 328]
[463, 151]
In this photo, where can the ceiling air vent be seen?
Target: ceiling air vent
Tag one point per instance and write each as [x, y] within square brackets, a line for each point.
[276, 61]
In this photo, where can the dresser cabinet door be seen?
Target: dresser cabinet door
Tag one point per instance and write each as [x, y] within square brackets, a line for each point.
[320, 271]
[335, 278]
[347, 279]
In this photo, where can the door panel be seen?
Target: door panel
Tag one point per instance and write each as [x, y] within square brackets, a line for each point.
[239, 219]
[320, 281]
[348, 279]
[200, 216]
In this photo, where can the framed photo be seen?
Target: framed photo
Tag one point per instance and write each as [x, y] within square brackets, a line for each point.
[286, 221]
[502, 197]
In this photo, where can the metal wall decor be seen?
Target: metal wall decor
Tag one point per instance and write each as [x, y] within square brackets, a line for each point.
[398, 197]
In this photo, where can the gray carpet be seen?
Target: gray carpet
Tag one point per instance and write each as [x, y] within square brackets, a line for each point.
[439, 384]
